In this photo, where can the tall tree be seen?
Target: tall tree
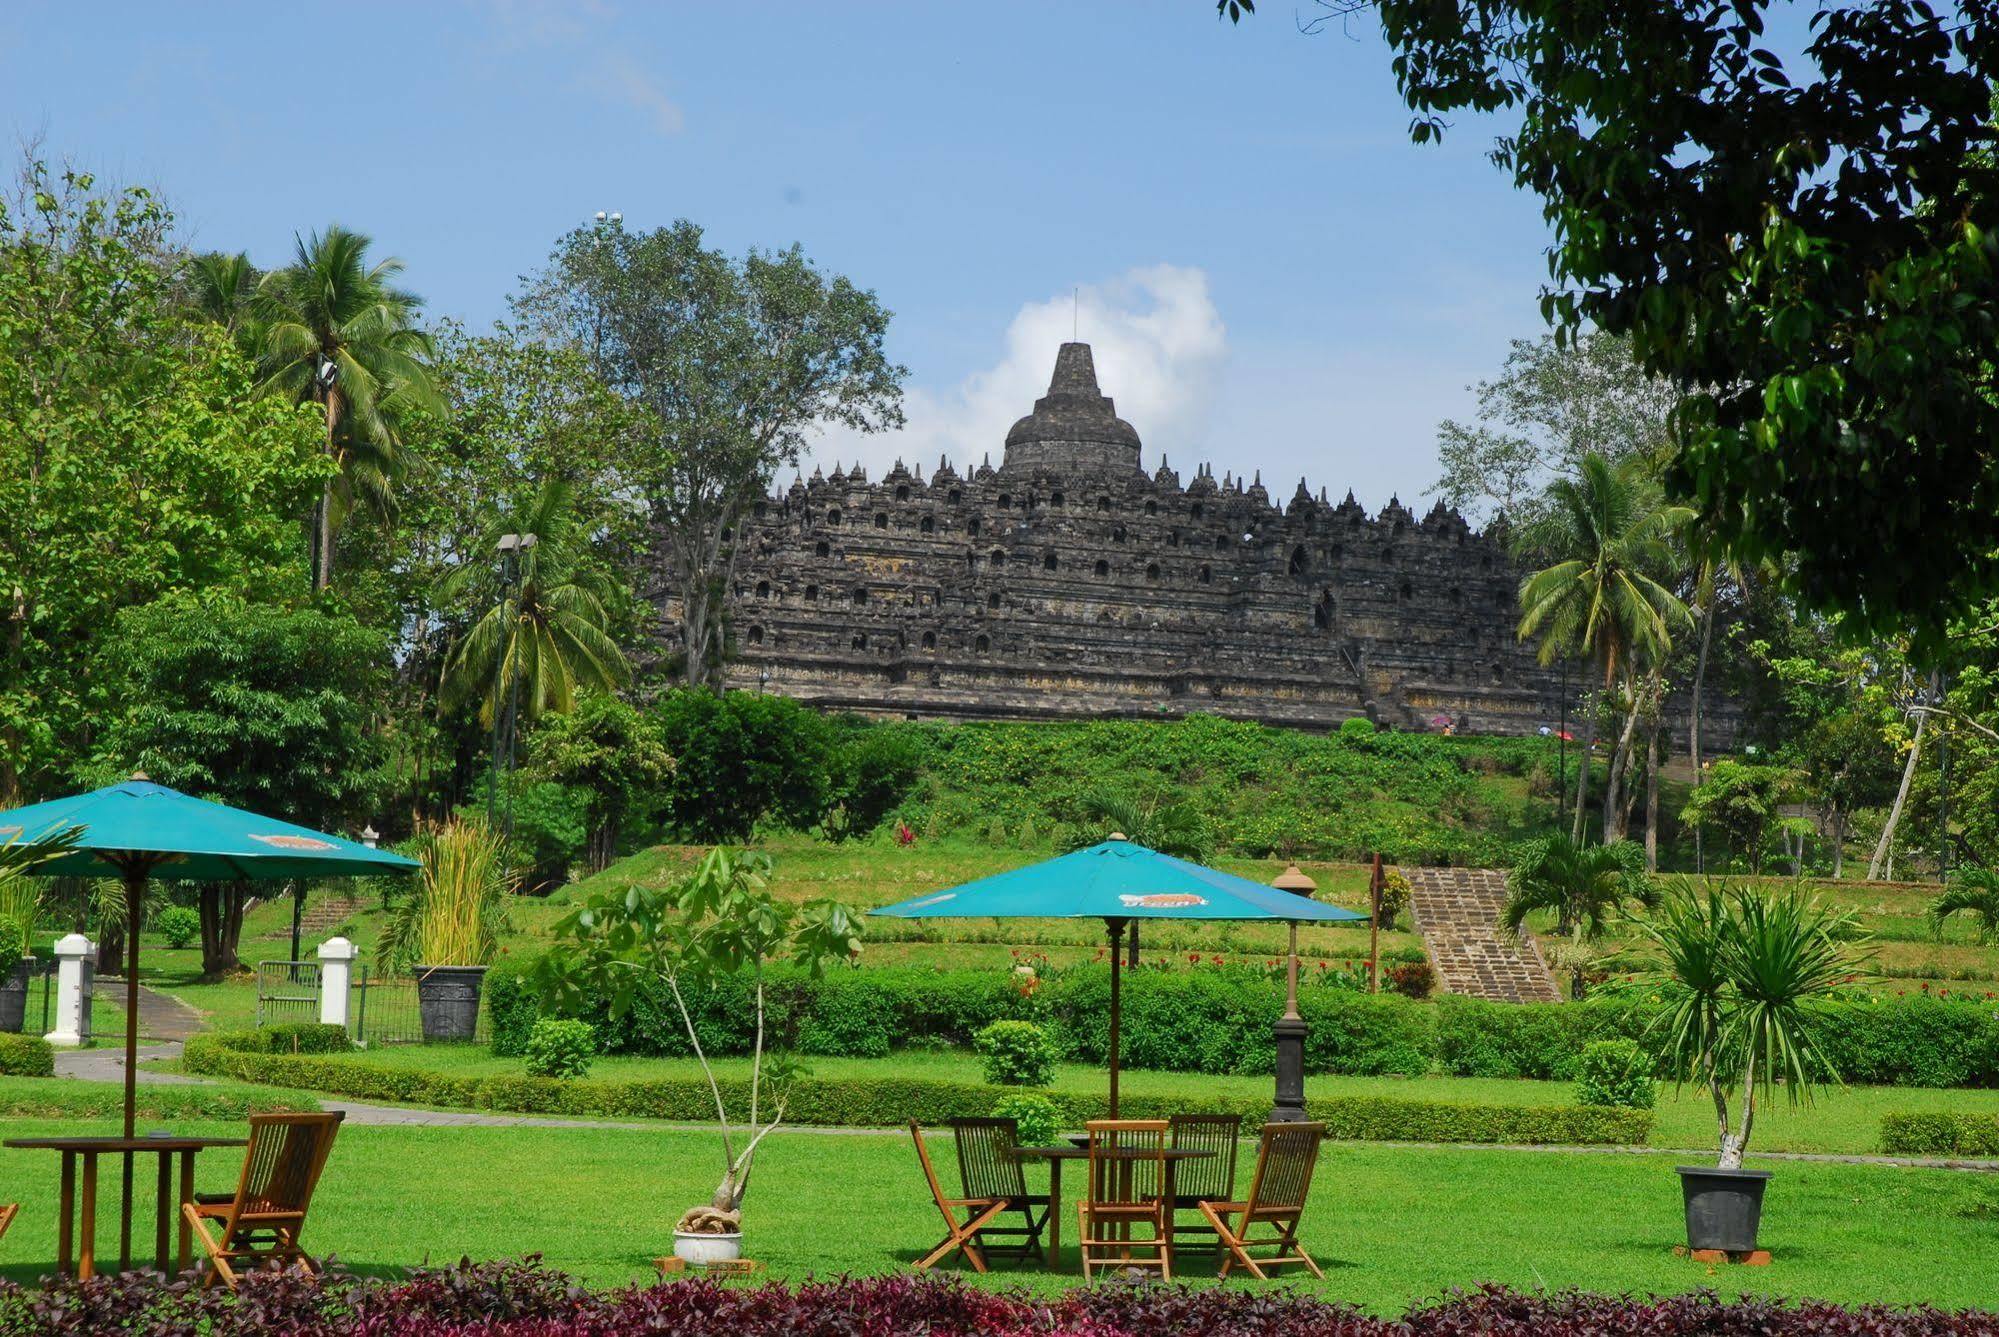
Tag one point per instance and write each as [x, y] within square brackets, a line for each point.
[336, 332]
[736, 362]
[222, 289]
[1609, 535]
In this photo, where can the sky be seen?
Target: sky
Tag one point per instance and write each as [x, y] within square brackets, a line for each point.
[1274, 279]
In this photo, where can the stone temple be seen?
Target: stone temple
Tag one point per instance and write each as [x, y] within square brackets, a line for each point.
[1071, 582]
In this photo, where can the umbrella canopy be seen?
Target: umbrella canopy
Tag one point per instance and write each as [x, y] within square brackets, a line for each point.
[137, 829]
[1117, 881]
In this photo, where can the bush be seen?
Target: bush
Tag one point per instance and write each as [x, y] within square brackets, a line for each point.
[26, 1056]
[1395, 893]
[1357, 730]
[1412, 979]
[177, 926]
[1036, 1117]
[511, 1007]
[1017, 1053]
[561, 1048]
[1939, 1134]
[741, 758]
[13, 946]
[1616, 1073]
[297, 1037]
[36, 1098]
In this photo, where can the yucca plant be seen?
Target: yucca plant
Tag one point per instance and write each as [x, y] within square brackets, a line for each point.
[1974, 892]
[1743, 978]
[455, 912]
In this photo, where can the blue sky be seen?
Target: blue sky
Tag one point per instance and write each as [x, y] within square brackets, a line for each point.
[1274, 277]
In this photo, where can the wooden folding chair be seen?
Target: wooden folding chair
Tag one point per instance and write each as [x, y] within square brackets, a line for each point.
[259, 1224]
[1199, 1179]
[7, 1213]
[959, 1235]
[1127, 1189]
[989, 1168]
[1284, 1161]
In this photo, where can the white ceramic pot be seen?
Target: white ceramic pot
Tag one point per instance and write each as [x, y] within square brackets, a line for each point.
[700, 1250]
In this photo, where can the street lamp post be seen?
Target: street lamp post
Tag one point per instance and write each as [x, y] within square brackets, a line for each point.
[1289, 1029]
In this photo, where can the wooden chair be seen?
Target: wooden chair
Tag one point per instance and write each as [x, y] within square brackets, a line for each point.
[1284, 1162]
[1127, 1189]
[7, 1213]
[989, 1169]
[959, 1235]
[259, 1224]
[1199, 1179]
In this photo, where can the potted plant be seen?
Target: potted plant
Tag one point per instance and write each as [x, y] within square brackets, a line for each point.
[447, 928]
[718, 924]
[1745, 977]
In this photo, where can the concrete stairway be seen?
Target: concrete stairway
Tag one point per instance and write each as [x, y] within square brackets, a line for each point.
[1457, 912]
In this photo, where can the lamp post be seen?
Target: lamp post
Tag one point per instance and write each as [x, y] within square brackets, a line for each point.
[1289, 1029]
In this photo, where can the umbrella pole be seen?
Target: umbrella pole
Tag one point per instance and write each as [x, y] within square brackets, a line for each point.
[1116, 927]
[135, 895]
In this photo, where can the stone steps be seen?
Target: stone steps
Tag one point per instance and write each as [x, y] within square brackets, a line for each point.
[1457, 911]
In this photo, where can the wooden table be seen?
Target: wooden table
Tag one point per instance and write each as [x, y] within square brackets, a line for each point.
[1056, 1156]
[83, 1233]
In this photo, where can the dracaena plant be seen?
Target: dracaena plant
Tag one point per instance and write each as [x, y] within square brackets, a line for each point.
[1744, 977]
[719, 921]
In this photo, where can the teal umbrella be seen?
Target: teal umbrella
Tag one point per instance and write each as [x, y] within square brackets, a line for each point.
[1118, 882]
[138, 830]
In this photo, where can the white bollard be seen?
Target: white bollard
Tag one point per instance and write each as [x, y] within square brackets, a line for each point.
[336, 971]
[73, 981]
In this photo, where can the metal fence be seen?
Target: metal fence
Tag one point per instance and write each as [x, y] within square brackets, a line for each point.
[381, 1010]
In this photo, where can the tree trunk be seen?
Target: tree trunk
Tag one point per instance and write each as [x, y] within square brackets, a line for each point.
[1652, 799]
[1884, 845]
[111, 945]
[221, 909]
[1694, 724]
[1620, 762]
[1838, 843]
[322, 515]
[1582, 776]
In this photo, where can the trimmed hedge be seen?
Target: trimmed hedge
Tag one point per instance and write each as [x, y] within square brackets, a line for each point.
[26, 1056]
[301, 1037]
[35, 1098]
[889, 1102]
[1937, 1133]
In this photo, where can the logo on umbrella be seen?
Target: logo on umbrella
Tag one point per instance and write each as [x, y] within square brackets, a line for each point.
[1163, 901]
[295, 842]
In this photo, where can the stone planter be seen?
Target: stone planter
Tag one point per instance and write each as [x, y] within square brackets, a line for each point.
[14, 997]
[447, 1000]
[700, 1250]
[1724, 1207]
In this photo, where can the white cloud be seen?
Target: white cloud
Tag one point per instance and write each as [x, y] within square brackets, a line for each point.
[623, 80]
[1159, 346]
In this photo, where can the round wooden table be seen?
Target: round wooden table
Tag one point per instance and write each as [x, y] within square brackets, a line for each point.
[84, 1231]
[1057, 1156]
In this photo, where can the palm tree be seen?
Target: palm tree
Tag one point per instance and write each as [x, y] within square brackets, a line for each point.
[1974, 891]
[223, 289]
[336, 332]
[542, 635]
[1610, 535]
[1170, 828]
[1583, 884]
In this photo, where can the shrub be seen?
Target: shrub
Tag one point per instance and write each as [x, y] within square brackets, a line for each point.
[1926, 1133]
[1036, 1117]
[296, 1037]
[13, 946]
[1017, 1053]
[1412, 979]
[741, 758]
[1617, 1073]
[177, 926]
[1357, 730]
[1395, 893]
[561, 1048]
[26, 1056]
[35, 1098]
[511, 1007]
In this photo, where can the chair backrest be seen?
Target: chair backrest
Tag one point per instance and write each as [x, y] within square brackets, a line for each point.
[1127, 1161]
[1284, 1161]
[988, 1159]
[1213, 1176]
[930, 1175]
[282, 1163]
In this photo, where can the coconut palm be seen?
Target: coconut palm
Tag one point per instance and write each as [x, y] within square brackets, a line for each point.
[223, 289]
[543, 632]
[335, 331]
[1974, 892]
[1585, 885]
[1609, 533]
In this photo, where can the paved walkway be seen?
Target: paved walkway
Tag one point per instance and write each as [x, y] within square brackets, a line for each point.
[160, 1017]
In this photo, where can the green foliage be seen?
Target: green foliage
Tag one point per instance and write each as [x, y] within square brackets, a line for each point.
[296, 1037]
[158, 1102]
[1411, 979]
[26, 1056]
[1395, 893]
[1615, 1072]
[1171, 828]
[1017, 1053]
[1036, 1118]
[13, 946]
[1356, 731]
[560, 1048]
[1740, 800]
[455, 910]
[550, 823]
[512, 1007]
[177, 926]
[610, 753]
[870, 771]
[1583, 883]
[1939, 1133]
[1973, 892]
[740, 759]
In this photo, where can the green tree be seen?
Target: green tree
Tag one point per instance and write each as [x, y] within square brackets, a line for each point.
[735, 363]
[255, 705]
[741, 759]
[1805, 247]
[1608, 535]
[222, 290]
[1584, 884]
[335, 331]
[613, 753]
[1741, 800]
[1973, 892]
[871, 770]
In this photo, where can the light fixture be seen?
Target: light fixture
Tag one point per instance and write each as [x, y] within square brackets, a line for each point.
[328, 373]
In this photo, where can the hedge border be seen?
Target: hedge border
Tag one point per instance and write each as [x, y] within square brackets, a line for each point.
[1939, 1133]
[890, 1102]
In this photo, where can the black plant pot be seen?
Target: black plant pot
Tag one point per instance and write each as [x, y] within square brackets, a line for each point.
[14, 998]
[447, 1000]
[1724, 1207]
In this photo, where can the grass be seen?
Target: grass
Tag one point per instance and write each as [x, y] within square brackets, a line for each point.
[1390, 1224]
[1841, 1122]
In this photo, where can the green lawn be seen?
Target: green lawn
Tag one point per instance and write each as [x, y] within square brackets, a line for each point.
[1389, 1223]
[1844, 1121]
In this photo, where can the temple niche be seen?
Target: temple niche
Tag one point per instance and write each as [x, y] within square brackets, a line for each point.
[1068, 581]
